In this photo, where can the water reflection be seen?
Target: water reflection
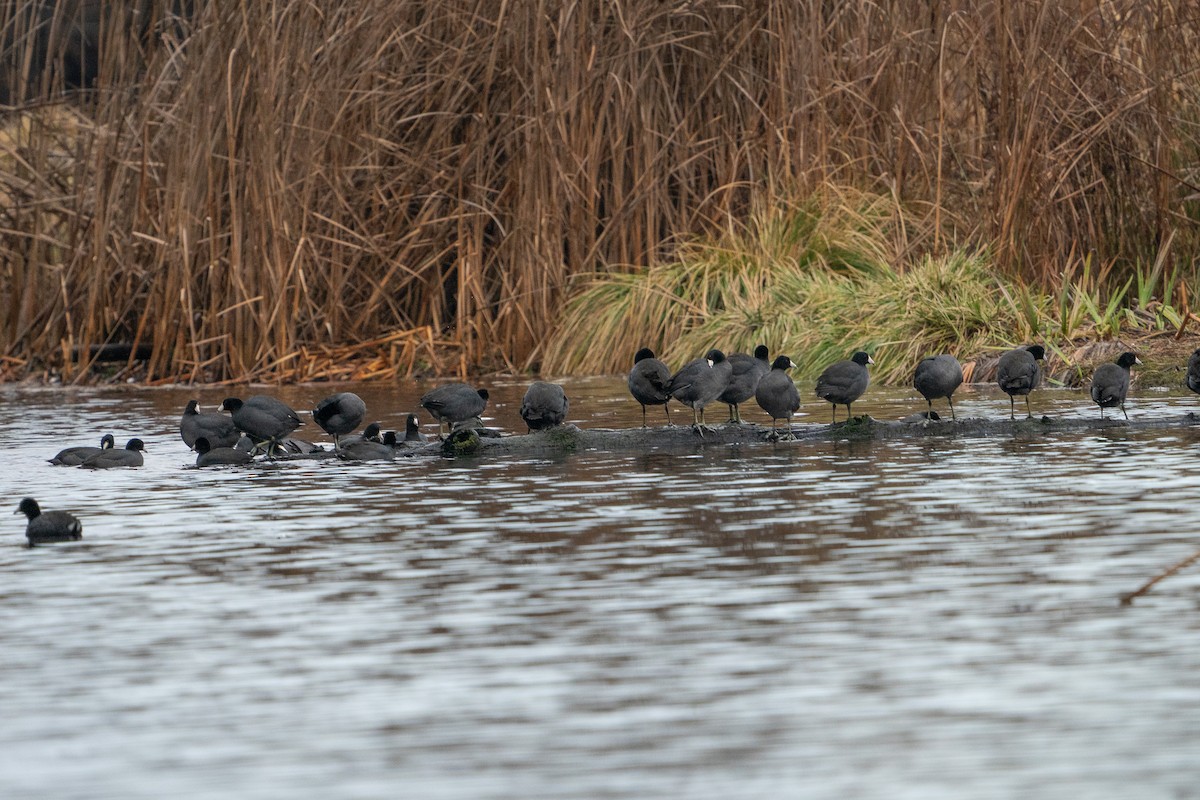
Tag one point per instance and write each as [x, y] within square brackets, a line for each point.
[840, 618]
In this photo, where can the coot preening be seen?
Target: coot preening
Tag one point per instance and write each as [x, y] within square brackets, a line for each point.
[364, 450]
[746, 371]
[544, 405]
[454, 402]
[217, 428]
[210, 456]
[264, 419]
[1193, 373]
[74, 456]
[844, 382]
[1018, 373]
[938, 376]
[371, 433]
[1110, 383]
[777, 394]
[700, 382]
[412, 430]
[648, 381]
[50, 526]
[131, 456]
[340, 414]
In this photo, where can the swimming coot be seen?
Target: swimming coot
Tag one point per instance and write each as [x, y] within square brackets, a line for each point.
[340, 414]
[74, 456]
[544, 405]
[745, 373]
[50, 526]
[845, 381]
[938, 376]
[264, 419]
[217, 428]
[1110, 383]
[412, 430]
[131, 456]
[1018, 373]
[209, 456]
[454, 402]
[648, 381]
[700, 382]
[777, 395]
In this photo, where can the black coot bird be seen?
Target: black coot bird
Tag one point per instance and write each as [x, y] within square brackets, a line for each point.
[1110, 383]
[777, 394]
[371, 433]
[412, 430]
[1018, 373]
[743, 379]
[938, 376]
[51, 526]
[364, 450]
[264, 419]
[454, 403]
[699, 383]
[648, 381]
[544, 405]
[210, 456]
[217, 428]
[340, 414]
[1193, 373]
[844, 382]
[131, 456]
[74, 456]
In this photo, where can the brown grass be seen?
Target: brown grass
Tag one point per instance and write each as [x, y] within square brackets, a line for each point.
[274, 180]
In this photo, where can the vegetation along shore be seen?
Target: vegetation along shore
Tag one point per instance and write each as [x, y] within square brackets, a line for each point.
[278, 191]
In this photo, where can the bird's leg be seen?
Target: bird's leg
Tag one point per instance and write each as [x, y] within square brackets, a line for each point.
[1028, 410]
[732, 412]
[667, 408]
[643, 405]
[787, 436]
[1123, 412]
[949, 400]
[833, 415]
[1012, 406]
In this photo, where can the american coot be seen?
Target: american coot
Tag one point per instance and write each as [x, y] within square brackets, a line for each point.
[371, 433]
[1193, 373]
[777, 394]
[210, 456]
[454, 402]
[699, 383]
[131, 456]
[544, 405]
[363, 450]
[412, 430]
[938, 376]
[1018, 373]
[51, 526]
[648, 381]
[264, 419]
[844, 382]
[74, 456]
[746, 371]
[340, 414]
[1110, 383]
[217, 428]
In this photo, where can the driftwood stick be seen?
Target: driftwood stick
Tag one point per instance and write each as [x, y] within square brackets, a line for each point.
[1127, 599]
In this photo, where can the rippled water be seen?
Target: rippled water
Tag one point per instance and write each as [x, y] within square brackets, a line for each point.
[916, 618]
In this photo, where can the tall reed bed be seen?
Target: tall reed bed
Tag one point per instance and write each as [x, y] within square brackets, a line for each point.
[263, 180]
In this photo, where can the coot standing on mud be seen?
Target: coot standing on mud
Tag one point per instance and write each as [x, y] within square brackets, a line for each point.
[454, 403]
[845, 381]
[49, 526]
[340, 414]
[264, 419]
[544, 405]
[938, 376]
[777, 395]
[1110, 383]
[743, 380]
[648, 381]
[699, 383]
[1018, 373]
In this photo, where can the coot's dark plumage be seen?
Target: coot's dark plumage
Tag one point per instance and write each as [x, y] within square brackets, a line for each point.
[210, 456]
[412, 430]
[131, 456]
[340, 414]
[371, 433]
[648, 381]
[845, 381]
[454, 402]
[363, 450]
[1110, 383]
[74, 456]
[745, 373]
[49, 526]
[938, 376]
[777, 394]
[544, 405]
[264, 419]
[1018, 373]
[699, 383]
[217, 428]
[1193, 373]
